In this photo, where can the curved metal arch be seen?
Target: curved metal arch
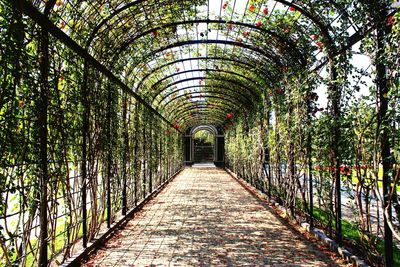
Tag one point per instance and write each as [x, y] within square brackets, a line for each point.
[211, 128]
[233, 82]
[290, 44]
[204, 110]
[255, 49]
[216, 96]
[220, 131]
[324, 28]
[203, 86]
[229, 106]
[105, 20]
[203, 105]
[199, 119]
[153, 71]
[225, 100]
[244, 101]
[188, 112]
[201, 115]
[203, 70]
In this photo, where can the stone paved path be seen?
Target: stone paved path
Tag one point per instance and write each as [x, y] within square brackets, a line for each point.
[206, 218]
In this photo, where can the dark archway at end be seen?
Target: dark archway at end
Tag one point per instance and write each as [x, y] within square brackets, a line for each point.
[218, 146]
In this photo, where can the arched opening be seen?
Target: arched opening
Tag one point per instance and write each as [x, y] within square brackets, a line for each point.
[204, 146]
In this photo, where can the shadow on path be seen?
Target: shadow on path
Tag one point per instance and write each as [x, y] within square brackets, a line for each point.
[204, 217]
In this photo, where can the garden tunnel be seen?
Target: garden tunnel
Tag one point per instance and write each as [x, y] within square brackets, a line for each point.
[100, 99]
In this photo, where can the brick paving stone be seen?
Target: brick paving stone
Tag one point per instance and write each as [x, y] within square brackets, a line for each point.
[206, 218]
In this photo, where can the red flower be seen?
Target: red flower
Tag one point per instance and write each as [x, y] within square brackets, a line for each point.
[62, 24]
[21, 103]
[230, 25]
[258, 24]
[364, 167]
[320, 44]
[345, 170]
[176, 126]
[246, 34]
[229, 116]
[390, 21]
[314, 37]
[318, 168]
[265, 11]
[252, 8]
[155, 34]
[225, 5]
[292, 9]
[287, 30]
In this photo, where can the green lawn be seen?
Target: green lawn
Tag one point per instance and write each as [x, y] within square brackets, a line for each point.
[351, 231]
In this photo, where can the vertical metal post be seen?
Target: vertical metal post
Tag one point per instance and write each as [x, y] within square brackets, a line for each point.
[144, 154]
[109, 153]
[136, 151]
[160, 160]
[266, 144]
[150, 159]
[125, 154]
[310, 166]
[334, 94]
[384, 124]
[85, 133]
[42, 112]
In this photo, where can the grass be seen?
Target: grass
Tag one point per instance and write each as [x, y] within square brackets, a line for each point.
[352, 232]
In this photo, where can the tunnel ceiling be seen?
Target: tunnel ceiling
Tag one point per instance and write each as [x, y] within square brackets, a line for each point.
[197, 61]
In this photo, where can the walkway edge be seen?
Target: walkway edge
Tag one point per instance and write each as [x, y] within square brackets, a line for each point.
[103, 237]
[317, 233]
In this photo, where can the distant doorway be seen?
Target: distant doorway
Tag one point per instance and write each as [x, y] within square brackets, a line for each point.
[204, 142]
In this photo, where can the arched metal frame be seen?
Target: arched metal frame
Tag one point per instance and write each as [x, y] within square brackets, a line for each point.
[245, 64]
[204, 78]
[211, 128]
[254, 82]
[332, 49]
[203, 86]
[219, 96]
[220, 113]
[275, 59]
[287, 41]
[254, 94]
[196, 78]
